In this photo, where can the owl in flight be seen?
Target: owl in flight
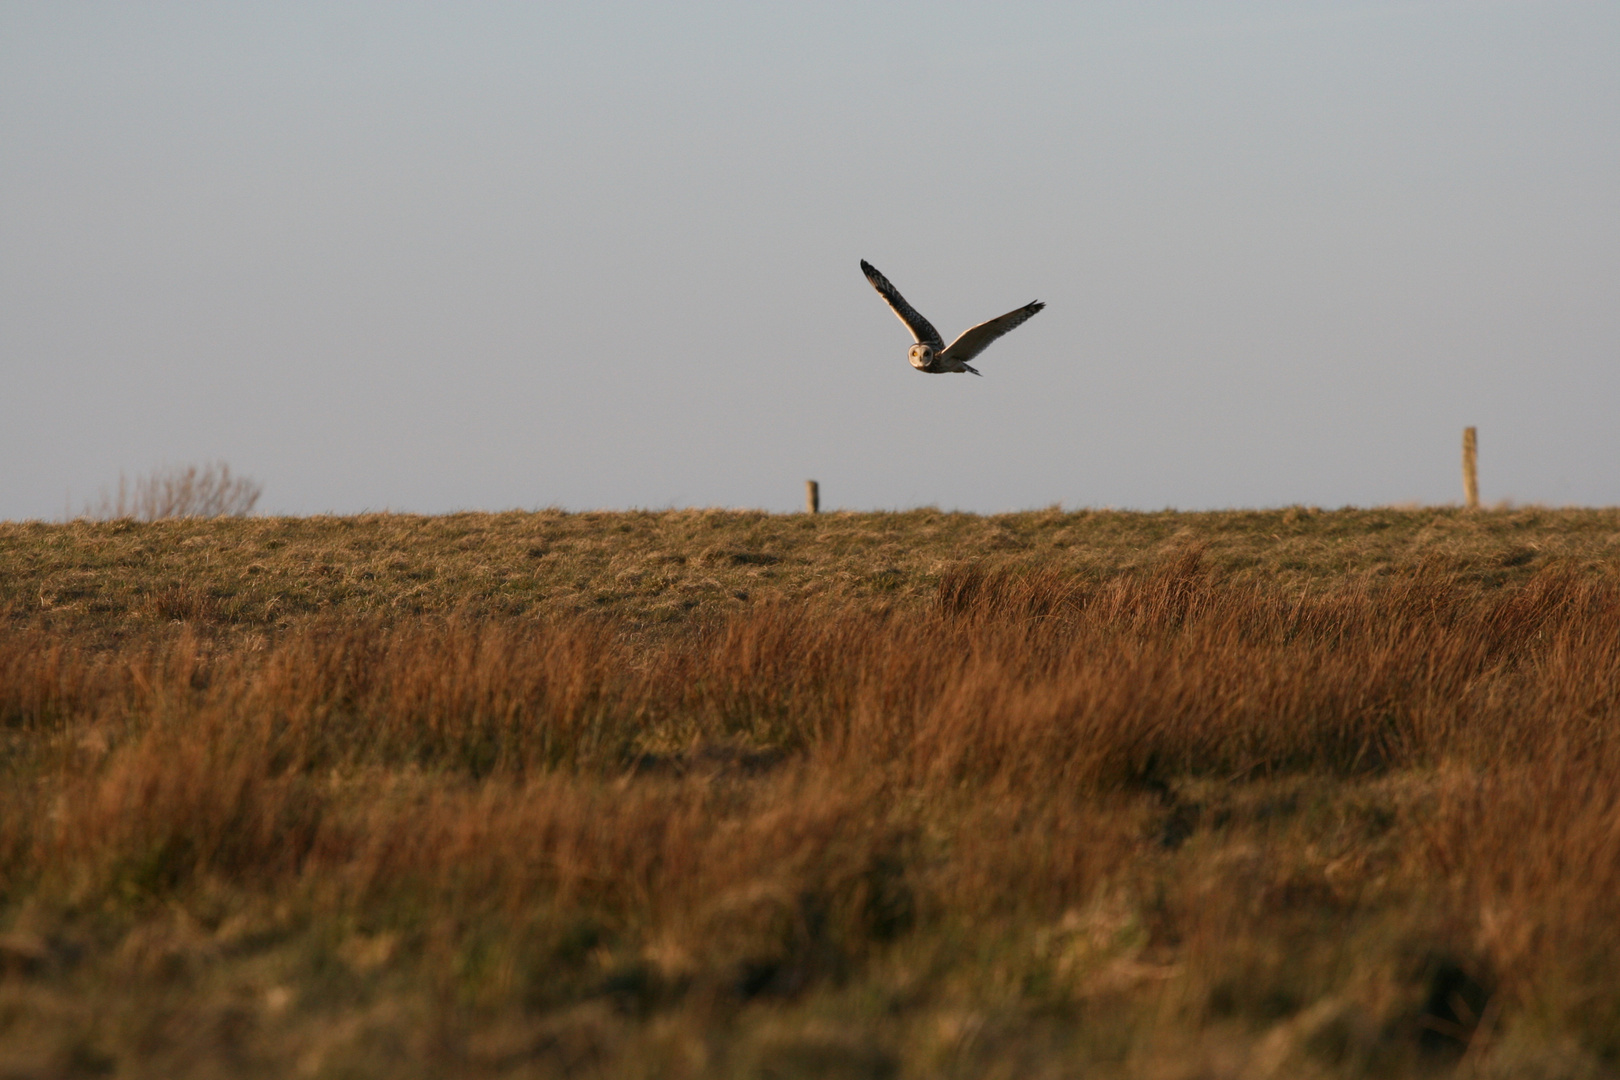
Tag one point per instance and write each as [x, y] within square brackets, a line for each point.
[930, 354]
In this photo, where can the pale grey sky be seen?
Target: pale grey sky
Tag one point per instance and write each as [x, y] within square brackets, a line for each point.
[488, 255]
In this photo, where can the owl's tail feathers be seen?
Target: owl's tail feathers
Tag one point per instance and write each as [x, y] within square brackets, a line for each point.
[970, 367]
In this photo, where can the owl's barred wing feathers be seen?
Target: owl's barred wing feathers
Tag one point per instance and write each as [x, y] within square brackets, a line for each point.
[921, 329]
[975, 340]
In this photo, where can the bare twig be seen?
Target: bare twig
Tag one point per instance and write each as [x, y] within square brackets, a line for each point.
[210, 491]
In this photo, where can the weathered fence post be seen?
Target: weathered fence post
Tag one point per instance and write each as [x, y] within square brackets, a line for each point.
[812, 497]
[1471, 468]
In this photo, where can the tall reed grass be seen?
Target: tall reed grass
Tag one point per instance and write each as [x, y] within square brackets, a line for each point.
[1219, 804]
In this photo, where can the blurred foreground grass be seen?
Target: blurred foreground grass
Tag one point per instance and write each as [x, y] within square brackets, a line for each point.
[1287, 793]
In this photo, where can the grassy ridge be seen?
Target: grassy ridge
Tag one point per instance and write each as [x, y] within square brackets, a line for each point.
[1287, 793]
[662, 568]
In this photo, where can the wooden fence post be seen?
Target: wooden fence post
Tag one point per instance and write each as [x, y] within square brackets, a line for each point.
[1471, 468]
[812, 497]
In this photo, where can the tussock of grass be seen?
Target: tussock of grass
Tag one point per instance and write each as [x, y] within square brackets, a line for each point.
[1153, 812]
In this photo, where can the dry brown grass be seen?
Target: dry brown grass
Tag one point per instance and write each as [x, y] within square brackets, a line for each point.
[1170, 806]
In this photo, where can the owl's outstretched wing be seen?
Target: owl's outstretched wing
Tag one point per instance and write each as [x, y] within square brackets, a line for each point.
[921, 329]
[976, 340]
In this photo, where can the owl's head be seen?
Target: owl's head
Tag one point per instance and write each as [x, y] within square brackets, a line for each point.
[921, 356]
